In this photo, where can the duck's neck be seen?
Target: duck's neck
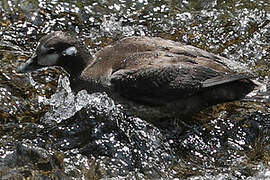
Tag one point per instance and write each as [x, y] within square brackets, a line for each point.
[91, 85]
[76, 66]
[77, 83]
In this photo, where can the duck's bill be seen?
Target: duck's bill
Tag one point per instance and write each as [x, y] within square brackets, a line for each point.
[29, 66]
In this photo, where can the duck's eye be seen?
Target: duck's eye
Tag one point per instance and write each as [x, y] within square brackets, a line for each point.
[51, 51]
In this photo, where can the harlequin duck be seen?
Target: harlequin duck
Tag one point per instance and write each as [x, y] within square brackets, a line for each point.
[150, 76]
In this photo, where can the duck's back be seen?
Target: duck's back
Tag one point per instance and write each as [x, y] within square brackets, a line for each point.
[140, 52]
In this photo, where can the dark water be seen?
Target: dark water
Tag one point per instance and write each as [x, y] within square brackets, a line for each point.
[48, 132]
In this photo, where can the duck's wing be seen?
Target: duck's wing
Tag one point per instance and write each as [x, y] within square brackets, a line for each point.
[165, 82]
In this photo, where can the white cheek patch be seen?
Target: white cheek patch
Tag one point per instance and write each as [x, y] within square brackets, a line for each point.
[71, 51]
[48, 60]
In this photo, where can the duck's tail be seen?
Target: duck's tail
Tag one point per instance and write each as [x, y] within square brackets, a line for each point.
[261, 93]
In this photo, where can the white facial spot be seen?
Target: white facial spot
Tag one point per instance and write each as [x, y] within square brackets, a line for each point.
[48, 60]
[71, 51]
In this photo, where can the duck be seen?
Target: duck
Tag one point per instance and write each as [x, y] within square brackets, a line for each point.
[151, 77]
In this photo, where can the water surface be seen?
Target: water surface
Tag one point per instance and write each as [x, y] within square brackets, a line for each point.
[48, 132]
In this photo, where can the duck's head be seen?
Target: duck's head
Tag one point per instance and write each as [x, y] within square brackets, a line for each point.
[58, 49]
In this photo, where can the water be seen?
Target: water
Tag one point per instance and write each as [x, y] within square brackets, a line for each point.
[47, 131]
